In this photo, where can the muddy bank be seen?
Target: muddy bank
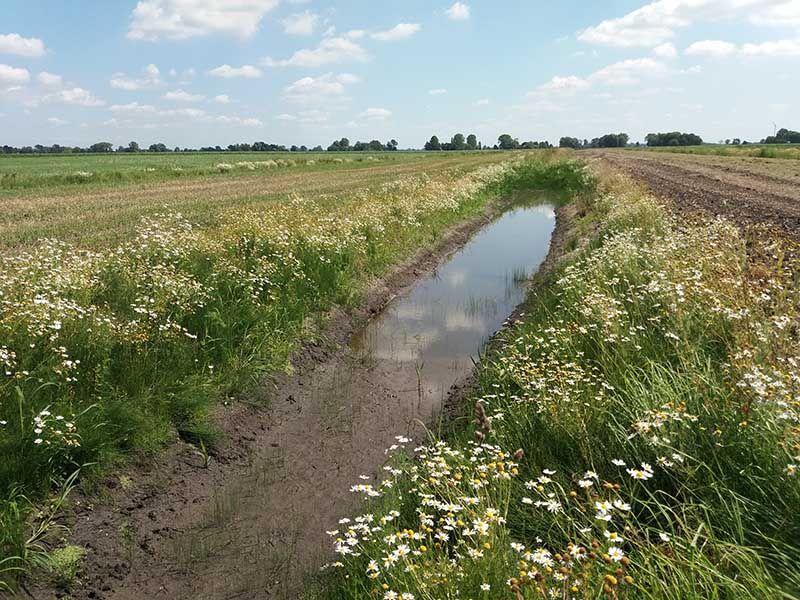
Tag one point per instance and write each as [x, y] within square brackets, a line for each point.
[181, 529]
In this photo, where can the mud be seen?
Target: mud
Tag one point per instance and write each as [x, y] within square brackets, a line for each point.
[748, 191]
[250, 523]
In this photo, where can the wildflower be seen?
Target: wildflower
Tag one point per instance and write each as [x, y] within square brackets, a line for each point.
[615, 554]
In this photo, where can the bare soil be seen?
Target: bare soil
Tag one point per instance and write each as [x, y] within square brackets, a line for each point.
[748, 191]
[251, 523]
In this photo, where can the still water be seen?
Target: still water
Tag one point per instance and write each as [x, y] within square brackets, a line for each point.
[441, 325]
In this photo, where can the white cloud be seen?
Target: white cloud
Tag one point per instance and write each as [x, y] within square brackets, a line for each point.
[13, 76]
[13, 43]
[655, 23]
[77, 96]
[458, 11]
[779, 48]
[181, 19]
[355, 34]
[182, 96]
[56, 121]
[133, 107]
[240, 121]
[665, 50]
[401, 31]
[191, 113]
[227, 71]
[330, 51]
[375, 114]
[320, 89]
[482, 102]
[151, 78]
[285, 117]
[222, 99]
[437, 92]
[628, 72]
[48, 79]
[313, 117]
[564, 84]
[711, 48]
[302, 23]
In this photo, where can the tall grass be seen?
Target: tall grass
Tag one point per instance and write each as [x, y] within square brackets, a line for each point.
[104, 353]
[635, 435]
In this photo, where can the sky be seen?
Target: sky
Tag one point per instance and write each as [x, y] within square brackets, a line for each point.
[192, 73]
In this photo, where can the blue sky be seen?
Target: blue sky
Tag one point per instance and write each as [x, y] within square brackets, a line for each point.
[207, 72]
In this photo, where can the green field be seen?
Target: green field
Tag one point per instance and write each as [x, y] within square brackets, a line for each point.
[48, 170]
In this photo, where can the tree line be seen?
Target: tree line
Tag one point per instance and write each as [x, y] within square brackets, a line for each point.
[459, 142]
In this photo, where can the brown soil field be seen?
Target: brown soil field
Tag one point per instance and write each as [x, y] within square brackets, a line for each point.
[749, 191]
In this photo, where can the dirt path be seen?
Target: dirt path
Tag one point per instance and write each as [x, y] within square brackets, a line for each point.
[251, 524]
[746, 190]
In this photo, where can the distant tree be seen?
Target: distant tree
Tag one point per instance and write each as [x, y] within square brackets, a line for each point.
[783, 136]
[736, 141]
[303, 148]
[458, 142]
[433, 144]
[472, 142]
[375, 146]
[101, 147]
[569, 142]
[133, 147]
[673, 138]
[612, 140]
[158, 148]
[506, 142]
[317, 149]
[294, 149]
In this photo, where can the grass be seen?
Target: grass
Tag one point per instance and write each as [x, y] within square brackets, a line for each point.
[634, 435]
[784, 151]
[97, 214]
[108, 350]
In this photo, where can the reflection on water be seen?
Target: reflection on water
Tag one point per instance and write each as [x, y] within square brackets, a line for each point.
[443, 322]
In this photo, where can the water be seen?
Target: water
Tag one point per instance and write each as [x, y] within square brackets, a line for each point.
[263, 533]
[441, 325]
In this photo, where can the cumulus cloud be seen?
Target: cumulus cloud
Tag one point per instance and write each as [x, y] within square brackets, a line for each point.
[151, 78]
[375, 114]
[49, 79]
[564, 84]
[401, 31]
[132, 108]
[722, 49]
[482, 102]
[302, 23]
[334, 50]
[628, 72]
[437, 92]
[182, 19]
[665, 50]
[221, 99]
[320, 89]
[182, 96]
[76, 96]
[11, 76]
[656, 22]
[227, 71]
[56, 121]
[240, 121]
[458, 11]
[13, 43]
[711, 48]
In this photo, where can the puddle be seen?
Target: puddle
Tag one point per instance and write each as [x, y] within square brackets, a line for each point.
[263, 536]
[441, 325]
